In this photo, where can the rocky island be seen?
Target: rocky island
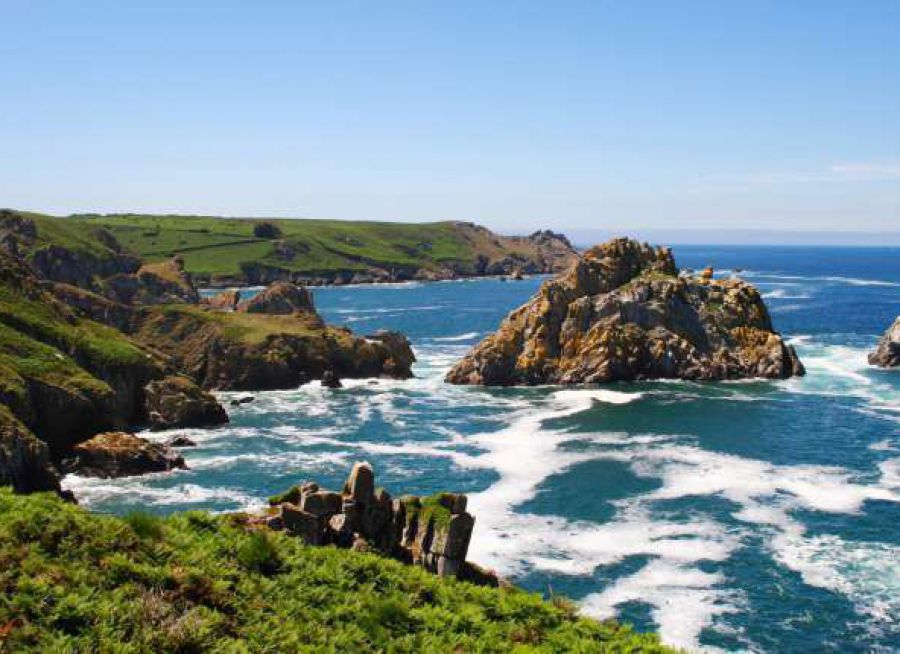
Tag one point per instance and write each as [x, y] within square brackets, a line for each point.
[887, 352]
[625, 312]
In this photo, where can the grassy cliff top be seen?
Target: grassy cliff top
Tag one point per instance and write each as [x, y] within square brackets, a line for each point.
[218, 246]
[79, 582]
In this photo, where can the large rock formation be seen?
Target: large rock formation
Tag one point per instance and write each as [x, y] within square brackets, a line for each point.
[177, 402]
[280, 299]
[623, 312]
[118, 454]
[887, 353]
[433, 532]
[255, 350]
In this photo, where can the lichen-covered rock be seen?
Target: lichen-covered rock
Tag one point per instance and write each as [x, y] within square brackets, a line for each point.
[119, 454]
[177, 402]
[399, 362]
[623, 312]
[887, 353]
[280, 299]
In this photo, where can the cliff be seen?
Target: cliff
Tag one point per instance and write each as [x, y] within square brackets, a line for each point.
[623, 312]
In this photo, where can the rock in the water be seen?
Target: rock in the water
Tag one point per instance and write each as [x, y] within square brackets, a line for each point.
[118, 454]
[181, 441]
[331, 380]
[887, 353]
[623, 312]
[280, 298]
[177, 402]
[247, 399]
[398, 363]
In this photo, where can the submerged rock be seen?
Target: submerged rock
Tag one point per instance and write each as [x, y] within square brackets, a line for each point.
[177, 402]
[623, 312]
[119, 454]
[181, 441]
[887, 353]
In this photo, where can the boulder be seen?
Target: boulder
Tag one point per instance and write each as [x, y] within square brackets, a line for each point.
[176, 402]
[227, 300]
[300, 523]
[360, 486]
[624, 313]
[330, 379]
[887, 352]
[400, 357]
[181, 441]
[280, 298]
[119, 454]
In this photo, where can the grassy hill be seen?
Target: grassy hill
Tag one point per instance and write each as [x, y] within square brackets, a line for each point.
[78, 582]
[223, 247]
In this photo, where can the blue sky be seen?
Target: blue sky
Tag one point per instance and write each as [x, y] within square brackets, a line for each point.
[517, 115]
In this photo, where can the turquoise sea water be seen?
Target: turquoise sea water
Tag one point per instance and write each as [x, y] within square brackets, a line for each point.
[761, 516]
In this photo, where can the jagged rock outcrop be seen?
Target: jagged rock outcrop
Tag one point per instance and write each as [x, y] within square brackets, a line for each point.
[280, 299]
[433, 532]
[177, 402]
[887, 353]
[119, 454]
[623, 312]
[165, 282]
[24, 459]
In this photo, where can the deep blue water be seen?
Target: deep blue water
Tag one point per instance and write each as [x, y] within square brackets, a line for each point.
[759, 516]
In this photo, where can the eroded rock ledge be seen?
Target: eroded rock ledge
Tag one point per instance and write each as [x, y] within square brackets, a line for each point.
[433, 532]
[624, 312]
[887, 353]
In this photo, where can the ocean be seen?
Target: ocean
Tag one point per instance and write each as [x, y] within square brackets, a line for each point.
[739, 516]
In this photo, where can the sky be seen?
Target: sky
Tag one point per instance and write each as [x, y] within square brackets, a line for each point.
[516, 115]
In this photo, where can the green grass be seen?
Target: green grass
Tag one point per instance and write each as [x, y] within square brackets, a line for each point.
[219, 246]
[78, 582]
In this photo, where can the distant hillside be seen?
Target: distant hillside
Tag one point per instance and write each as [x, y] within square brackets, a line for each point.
[224, 251]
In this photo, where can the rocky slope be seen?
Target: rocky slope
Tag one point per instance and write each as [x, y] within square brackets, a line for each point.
[65, 377]
[887, 352]
[623, 312]
[250, 349]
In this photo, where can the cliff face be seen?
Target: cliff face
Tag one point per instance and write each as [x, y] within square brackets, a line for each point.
[887, 353]
[246, 350]
[623, 312]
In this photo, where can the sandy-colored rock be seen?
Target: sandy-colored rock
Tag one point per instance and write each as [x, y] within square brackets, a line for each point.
[119, 454]
[280, 299]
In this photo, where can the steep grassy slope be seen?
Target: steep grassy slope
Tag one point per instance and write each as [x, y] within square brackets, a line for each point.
[64, 377]
[78, 582]
[225, 248]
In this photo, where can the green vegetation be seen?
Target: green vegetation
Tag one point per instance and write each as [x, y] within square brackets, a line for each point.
[192, 582]
[220, 246]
